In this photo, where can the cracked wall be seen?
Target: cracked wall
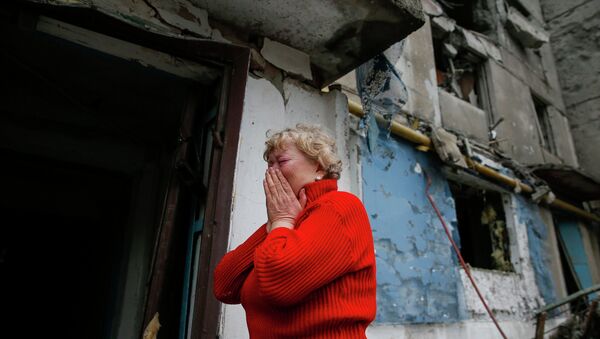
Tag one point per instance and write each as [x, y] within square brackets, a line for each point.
[575, 39]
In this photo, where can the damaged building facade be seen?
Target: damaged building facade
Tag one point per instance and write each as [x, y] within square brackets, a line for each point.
[132, 135]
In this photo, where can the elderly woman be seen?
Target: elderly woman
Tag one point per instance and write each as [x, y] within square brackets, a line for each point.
[309, 271]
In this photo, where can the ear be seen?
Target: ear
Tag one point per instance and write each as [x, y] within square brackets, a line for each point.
[320, 171]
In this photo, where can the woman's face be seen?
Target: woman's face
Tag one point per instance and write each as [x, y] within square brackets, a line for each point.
[295, 166]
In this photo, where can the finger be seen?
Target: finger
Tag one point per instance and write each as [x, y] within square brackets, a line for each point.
[284, 183]
[275, 184]
[303, 198]
[270, 183]
[268, 194]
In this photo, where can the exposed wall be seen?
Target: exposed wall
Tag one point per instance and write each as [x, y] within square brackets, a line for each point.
[417, 276]
[575, 38]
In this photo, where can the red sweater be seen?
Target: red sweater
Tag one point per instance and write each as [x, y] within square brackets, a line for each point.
[315, 281]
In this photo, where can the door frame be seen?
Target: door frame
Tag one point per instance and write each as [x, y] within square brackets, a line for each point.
[234, 61]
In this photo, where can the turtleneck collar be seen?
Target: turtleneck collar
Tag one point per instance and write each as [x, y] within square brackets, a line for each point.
[316, 189]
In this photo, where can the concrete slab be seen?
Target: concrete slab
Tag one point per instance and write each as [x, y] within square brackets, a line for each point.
[287, 58]
[561, 131]
[554, 8]
[535, 81]
[526, 31]
[338, 35]
[462, 117]
[512, 100]
[444, 23]
[577, 52]
[417, 66]
[585, 124]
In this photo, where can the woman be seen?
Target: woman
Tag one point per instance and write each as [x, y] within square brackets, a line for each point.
[309, 271]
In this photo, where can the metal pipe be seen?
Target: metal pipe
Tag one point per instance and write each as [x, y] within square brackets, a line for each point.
[396, 127]
[423, 140]
[488, 172]
[570, 298]
[565, 206]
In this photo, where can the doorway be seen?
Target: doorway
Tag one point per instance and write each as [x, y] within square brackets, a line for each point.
[91, 142]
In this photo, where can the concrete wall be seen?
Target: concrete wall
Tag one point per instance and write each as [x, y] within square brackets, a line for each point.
[511, 100]
[417, 67]
[513, 74]
[574, 27]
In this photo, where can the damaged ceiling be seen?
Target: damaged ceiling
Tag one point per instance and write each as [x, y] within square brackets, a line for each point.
[568, 182]
[338, 36]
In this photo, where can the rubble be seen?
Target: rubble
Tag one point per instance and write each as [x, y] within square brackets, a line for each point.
[524, 30]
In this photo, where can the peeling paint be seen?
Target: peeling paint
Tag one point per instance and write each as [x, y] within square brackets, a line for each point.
[537, 235]
[417, 274]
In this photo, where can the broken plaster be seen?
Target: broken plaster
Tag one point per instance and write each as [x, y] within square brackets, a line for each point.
[528, 33]
[289, 59]
[179, 18]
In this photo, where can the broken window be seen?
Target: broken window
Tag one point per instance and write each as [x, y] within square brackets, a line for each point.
[484, 241]
[472, 15]
[457, 71]
[545, 129]
[460, 48]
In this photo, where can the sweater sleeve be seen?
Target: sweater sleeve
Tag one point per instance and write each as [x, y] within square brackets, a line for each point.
[290, 264]
[232, 270]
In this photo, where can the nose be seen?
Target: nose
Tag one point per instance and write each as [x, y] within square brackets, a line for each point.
[274, 165]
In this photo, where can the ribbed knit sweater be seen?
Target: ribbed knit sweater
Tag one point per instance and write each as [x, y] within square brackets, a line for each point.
[315, 281]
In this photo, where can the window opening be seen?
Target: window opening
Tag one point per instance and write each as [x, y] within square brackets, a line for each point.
[545, 128]
[457, 72]
[484, 241]
[472, 15]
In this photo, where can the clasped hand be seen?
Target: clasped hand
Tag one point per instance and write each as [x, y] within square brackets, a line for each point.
[282, 204]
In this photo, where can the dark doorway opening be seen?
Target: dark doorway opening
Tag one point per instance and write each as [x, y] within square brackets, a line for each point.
[61, 239]
[88, 142]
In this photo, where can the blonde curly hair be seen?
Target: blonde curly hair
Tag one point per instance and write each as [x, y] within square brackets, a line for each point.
[313, 142]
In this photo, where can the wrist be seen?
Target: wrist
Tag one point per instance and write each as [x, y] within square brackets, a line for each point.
[287, 223]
